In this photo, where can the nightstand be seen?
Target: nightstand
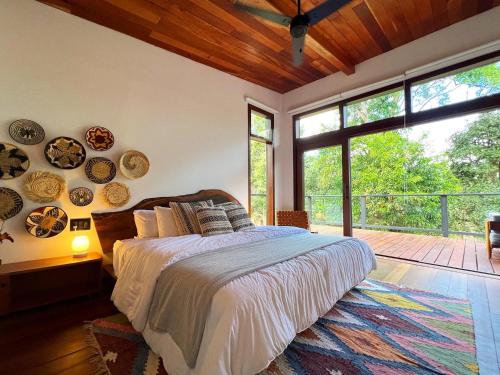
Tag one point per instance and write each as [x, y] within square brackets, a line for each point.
[35, 283]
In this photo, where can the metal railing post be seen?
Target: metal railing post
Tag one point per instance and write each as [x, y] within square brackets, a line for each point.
[444, 215]
[362, 207]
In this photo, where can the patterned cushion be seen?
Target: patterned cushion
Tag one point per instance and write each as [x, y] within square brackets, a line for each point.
[238, 216]
[185, 216]
[213, 221]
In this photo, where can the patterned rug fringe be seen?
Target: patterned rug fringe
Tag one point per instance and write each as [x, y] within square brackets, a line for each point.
[96, 359]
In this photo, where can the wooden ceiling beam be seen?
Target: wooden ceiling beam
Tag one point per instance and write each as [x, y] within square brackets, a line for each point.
[338, 58]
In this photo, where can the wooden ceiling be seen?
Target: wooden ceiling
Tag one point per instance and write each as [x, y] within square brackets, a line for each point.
[213, 33]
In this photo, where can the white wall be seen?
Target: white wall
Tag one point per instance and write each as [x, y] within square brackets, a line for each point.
[67, 74]
[459, 37]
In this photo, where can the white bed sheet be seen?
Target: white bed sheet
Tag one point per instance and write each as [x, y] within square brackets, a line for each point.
[253, 318]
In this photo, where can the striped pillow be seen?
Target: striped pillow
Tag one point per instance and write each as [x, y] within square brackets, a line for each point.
[213, 221]
[185, 216]
[238, 216]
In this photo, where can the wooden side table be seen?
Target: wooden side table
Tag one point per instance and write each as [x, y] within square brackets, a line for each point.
[491, 225]
[35, 283]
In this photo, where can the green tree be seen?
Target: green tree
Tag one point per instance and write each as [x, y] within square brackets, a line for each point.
[475, 153]
[475, 159]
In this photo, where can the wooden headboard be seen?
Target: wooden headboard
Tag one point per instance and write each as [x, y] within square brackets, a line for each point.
[119, 225]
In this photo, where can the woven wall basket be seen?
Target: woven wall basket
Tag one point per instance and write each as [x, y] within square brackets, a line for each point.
[11, 203]
[116, 194]
[134, 164]
[44, 187]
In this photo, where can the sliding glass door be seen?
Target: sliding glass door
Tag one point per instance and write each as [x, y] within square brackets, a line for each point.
[323, 189]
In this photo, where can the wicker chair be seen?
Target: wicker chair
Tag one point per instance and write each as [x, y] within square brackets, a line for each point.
[293, 219]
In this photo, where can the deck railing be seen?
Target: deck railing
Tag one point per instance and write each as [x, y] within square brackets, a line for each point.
[427, 208]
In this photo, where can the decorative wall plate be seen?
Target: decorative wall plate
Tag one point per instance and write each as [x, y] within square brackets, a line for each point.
[44, 187]
[134, 164]
[81, 196]
[26, 132]
[11, 203]
[65, 153]
[13, 161]
[99, 138]
[100, 170]
[45, 222]
[116, 194]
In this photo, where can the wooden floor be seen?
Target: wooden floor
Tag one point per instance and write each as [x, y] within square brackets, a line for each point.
[468, 253]
[51, 340]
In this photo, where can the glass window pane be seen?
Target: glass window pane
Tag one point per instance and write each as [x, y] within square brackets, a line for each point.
[323, 189]
[261, 125]
[318, 122]
[378, 107]
[456, 87]
[258, 188]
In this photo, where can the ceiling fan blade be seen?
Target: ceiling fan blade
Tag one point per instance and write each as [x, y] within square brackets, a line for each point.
[267, 14]
[324, 10]
[298, 50]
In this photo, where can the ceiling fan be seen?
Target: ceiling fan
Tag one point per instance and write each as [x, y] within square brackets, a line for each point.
[298, 24]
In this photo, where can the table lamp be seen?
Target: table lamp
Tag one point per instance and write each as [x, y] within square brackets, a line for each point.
[80, 246]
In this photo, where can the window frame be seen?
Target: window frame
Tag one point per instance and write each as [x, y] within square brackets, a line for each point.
[409, 119]
[316, 110]
[270, 188]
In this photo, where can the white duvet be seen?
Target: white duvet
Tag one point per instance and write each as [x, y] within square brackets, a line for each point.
[252, 319]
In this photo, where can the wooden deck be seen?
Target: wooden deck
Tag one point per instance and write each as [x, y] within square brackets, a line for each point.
[463, 253]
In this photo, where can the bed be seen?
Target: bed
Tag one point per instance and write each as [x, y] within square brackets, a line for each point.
[253, 318]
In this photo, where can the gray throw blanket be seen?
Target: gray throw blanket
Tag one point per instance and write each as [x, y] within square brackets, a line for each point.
[185, 289]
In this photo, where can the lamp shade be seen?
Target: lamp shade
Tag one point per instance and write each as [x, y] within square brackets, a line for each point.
[80, 246]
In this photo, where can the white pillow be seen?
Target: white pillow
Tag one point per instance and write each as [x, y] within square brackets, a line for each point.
[145, 223]
[166, 222]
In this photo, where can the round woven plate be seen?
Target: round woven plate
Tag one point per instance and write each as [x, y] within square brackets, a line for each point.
[65, 153]
[13, 161]
[43, 187]
[99, 138]
[100, 170]
[134, 164]
[116, 194]
[45, 222]
[26, 132]
[81, 196]
[11, 203]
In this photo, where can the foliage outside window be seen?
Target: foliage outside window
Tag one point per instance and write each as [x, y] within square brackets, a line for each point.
[389, 170]
[456, 88]
[261, 126]
[258, 171]
[319, 122]
[378, 107]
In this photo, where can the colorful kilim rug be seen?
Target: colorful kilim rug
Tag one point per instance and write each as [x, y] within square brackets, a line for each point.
[376, 328]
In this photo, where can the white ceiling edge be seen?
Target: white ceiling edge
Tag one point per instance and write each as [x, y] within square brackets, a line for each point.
[261, 105]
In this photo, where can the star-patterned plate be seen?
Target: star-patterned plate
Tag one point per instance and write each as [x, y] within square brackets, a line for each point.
[99, 138]
[65, 153]
[45, 222]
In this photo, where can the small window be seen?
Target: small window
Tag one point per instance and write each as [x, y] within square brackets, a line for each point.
[318, 122]
[261, 166]
[377, 107]
[261, 126]
[456, 87]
